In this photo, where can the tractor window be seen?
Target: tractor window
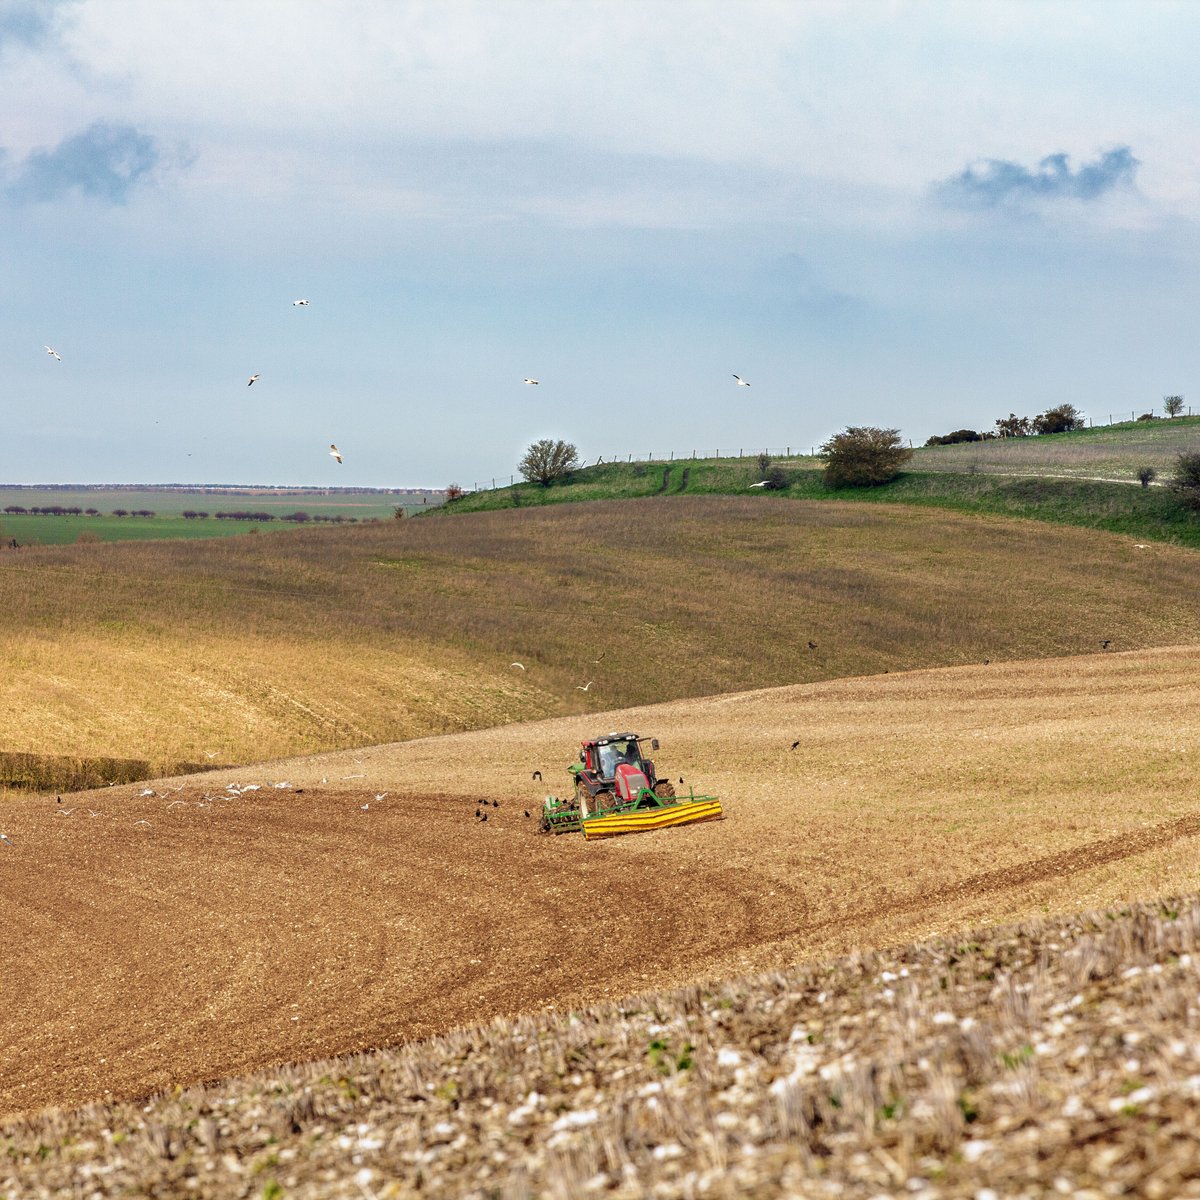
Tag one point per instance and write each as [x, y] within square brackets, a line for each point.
[615, 753]
[609, 758]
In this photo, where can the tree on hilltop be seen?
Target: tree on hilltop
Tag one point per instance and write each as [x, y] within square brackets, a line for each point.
[1013, 426]
[863, 456]
[1172, 405]
[1061, 419]
[548, 460]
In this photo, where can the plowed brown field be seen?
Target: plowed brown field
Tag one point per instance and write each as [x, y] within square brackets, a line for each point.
[171, 938]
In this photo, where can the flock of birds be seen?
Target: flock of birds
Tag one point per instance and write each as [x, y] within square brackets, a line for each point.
[334, 452]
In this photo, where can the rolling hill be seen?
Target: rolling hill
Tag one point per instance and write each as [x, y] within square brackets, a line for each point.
[244, 649]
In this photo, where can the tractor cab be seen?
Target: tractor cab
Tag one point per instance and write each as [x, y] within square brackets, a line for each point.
[614, 771]
[604, 755]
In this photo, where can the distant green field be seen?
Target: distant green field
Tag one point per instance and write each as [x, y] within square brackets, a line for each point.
[168, 507]
[61, 531]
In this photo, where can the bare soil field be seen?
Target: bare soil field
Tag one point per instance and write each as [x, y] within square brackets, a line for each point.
[319, 905]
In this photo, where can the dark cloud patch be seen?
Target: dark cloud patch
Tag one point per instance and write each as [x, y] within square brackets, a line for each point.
[998, 181]
[28, 22]
[104, 161]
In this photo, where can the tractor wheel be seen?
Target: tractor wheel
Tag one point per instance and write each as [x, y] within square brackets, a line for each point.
[664, 789]
[601, 800]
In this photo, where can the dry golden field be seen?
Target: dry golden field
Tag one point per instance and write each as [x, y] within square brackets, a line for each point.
[242, 649]
[196, 933]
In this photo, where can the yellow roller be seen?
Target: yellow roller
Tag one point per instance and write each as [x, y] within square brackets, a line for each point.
[637, 820]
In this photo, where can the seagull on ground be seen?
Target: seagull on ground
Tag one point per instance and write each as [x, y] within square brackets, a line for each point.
[534, 382]
[334, 452]
[50, 350]
[251, 380]
[740, 381]
[5, 839]
[299, 303]
[366, 806]
[380, 795]
[521, 665]
[585, 687]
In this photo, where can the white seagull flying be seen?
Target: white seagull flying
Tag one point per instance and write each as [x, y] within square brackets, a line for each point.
[521, 665]
[299, 303]
[585, 687]
[762, 483]
[535, 382]
[334, 452]
[251, 380]
[50, 350]
[740, 381]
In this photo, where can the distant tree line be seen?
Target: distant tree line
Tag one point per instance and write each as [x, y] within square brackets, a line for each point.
[1062, 418]
[298, 517]
[48, 510]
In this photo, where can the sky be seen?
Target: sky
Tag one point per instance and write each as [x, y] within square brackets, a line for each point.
[915, 214]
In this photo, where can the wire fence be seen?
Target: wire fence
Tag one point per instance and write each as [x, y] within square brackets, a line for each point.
[772, 452]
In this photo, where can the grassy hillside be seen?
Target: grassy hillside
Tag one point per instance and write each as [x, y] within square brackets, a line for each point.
[1111, 452]
[241, 649]
[1144, 514]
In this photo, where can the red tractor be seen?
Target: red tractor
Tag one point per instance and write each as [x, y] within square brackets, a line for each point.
[617, 790]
